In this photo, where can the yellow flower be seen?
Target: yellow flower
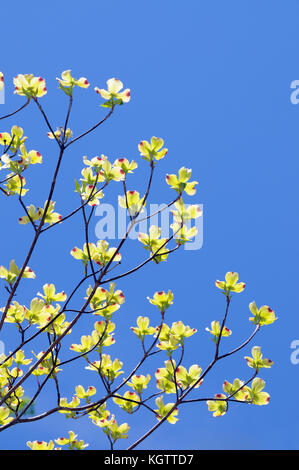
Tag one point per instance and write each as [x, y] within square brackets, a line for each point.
[132, 201]
[113, 91]
[40, 445]
[231, 283]
[219, 406]
[1, 81]
[263, 315]
[152, 150]
[67, 82]
[182, 183]
[162, 300]
[163, 410]
[4, 416]
[29, 85]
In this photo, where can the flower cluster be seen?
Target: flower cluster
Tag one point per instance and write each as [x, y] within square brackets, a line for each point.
[47, 366]
[170, 378]
[182, 214]
[154, 243]
[30, 86]
[101, 336]
[49, 311]
[105, 302]
[71, 442]
[15, 185]
[11, 274]
[17, 159]
[128, 401]
[41, 311]
[107, 367]
[100, 253]
[239, 392]
[10, 372]
[13, 140]
[111, 428]
[171, 338]
[98, 170]
[37, 214]
[56, 135]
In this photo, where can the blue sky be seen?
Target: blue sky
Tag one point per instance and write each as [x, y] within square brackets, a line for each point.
[213, 79]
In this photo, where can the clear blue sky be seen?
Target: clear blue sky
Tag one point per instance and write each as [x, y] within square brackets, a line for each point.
[213, 79]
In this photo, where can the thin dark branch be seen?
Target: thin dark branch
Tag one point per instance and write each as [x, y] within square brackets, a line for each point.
[16, 111]
[91, 129]
[47, 122]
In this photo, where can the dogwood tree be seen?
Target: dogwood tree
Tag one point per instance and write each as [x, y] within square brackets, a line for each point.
[52, 315]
